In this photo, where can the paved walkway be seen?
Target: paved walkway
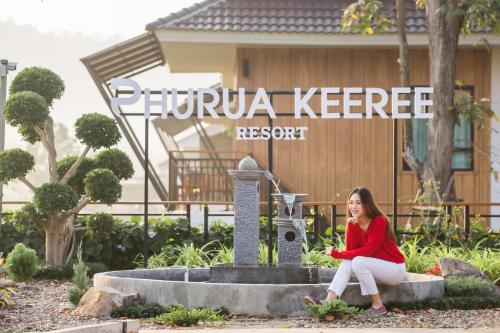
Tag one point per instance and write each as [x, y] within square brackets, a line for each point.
[329, 330]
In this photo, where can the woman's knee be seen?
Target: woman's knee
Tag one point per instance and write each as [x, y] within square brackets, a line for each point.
[358, 263]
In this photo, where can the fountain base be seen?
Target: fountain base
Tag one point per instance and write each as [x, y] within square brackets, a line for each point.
[264, 274]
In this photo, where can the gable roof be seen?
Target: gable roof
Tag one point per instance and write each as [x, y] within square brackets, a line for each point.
[278, 16]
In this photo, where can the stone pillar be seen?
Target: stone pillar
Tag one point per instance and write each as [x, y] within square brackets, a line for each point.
[289, 238]
[246, 212]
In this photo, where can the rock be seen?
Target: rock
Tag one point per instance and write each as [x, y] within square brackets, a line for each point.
[458, 268]
[4, 283]
[100, 301]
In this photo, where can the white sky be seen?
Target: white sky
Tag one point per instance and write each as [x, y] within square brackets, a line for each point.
[103, 18]
[105, 21]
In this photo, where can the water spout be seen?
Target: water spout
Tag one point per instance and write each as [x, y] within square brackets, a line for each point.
[270, 177]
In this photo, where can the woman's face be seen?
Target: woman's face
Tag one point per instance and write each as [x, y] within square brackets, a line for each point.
[356, 206]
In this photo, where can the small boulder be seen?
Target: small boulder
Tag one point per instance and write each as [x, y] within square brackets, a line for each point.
[5, 283]
[100, 301]
[460, 269]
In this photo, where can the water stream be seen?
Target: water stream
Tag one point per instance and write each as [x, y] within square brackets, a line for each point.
[270, 177]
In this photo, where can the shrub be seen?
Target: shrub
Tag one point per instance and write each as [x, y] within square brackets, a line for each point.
[80, 280]
[467, 286]
[100, 225]
[76, 182]
[15, 163]
[54, 197]
[102, 185]
[336, 308]
[97, 130]
[96, 267]
[63, 272]
[318, 257]
[191, 256]
[223, 256]
[14, 229]
[116, 161]
[42, 81]
[75, 295]
[487, 261]
[180, 316]
[264, 254]
[22, 263]
[451, 302]
[139, 311]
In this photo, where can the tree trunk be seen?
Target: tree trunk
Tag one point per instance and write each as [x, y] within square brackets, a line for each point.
[404, 71]
[58, 233]
[443, 29]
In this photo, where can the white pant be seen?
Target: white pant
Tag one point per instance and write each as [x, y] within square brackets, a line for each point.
[367, 270]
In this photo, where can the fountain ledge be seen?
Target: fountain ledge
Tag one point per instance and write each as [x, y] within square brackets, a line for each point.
[167, 286]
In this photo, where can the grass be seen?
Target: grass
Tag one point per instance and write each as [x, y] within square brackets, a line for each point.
[418, 257]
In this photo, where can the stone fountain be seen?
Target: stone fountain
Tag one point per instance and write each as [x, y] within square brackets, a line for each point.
[246, 268]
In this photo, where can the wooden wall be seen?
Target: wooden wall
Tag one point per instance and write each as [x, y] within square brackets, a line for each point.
[338, 155]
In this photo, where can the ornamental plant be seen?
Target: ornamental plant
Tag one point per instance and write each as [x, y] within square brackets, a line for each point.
[74, 180]
[21, 263]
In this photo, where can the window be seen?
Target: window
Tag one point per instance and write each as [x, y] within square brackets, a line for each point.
[462, 158]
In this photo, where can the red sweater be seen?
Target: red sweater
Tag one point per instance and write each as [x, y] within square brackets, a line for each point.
[372, 243]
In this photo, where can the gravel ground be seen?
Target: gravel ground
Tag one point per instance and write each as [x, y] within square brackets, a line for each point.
[43, 305]
[411, 319]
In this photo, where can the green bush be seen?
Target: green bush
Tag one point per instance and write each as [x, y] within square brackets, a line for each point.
[15, 163]
[81, 280]
[337, 308]
[22, 263]
[27, 109]
[139, 311]
[97, 130]
[125, 242]
[75, 295]
[451, 302]
[76, 182]
[54, 197]
[42, 81]
[100, 225]
[96, 267]
[64, 272]
[467, 286]
[116, 161]
[26, 231]
[102, 185]
[180, 316]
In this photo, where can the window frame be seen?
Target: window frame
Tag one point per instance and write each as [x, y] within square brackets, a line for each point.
[406, 167]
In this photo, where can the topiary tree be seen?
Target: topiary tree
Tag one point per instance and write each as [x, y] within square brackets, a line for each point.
[74, 181]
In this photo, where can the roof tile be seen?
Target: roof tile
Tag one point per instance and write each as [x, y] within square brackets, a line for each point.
[301, 16]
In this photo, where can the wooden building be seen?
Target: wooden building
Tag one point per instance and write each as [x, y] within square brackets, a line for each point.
[287, 44]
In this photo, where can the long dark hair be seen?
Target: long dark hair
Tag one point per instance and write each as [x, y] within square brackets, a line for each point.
[370, 208]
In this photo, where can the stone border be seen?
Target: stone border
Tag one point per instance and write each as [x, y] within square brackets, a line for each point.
[122, 326]
[167, 286]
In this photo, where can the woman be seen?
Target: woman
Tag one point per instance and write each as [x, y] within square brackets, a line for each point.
[371, 252]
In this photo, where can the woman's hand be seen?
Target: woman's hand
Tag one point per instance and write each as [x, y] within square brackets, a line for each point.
[329, 250]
